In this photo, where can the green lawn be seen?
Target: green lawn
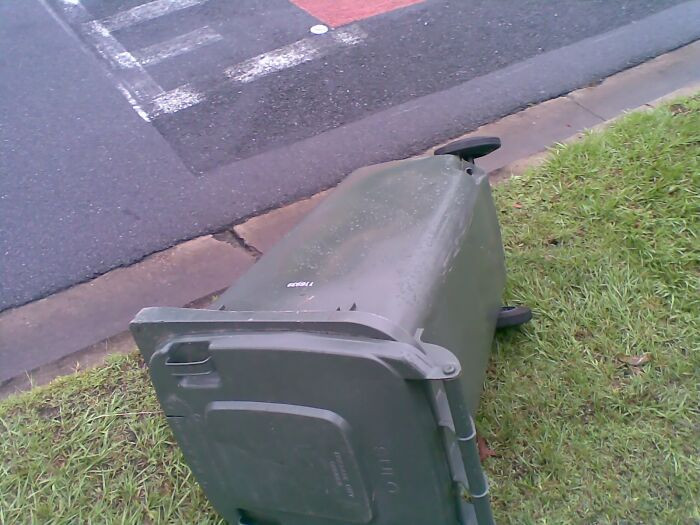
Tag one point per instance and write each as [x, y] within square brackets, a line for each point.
[601, 242]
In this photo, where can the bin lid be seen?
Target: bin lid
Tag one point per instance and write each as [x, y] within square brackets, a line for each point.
[294, 418]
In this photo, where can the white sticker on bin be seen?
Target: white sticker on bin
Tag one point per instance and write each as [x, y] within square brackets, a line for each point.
[300, 284]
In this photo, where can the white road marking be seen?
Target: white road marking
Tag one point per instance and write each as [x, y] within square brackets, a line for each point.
[134, 83]
[349, 36]
[176, 46]
[134, 103]
[175, 100]
[74, 11]
[135, 77]
[145, 12]
[294, 54]
[147, 98]
[108, 46]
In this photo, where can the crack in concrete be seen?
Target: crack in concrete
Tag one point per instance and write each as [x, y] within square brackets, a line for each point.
[572, 99]
[232, 238]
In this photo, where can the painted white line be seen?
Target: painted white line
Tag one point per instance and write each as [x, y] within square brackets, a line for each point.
[147, 98]
[145, 12]
[139, 82]
[132, 80]
[73, 10]
[175, 100]
[256, 67]
[179, 45]
[134, 103]
[349, 36]
[108, 46]
[294, 54]
[282, 58]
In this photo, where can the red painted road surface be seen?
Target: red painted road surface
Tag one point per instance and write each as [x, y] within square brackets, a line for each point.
[340, 12]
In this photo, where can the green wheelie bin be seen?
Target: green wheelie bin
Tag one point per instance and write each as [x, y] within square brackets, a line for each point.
[336, 381]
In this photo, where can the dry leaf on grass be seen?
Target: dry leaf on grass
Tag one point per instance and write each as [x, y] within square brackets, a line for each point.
[484, 450]
[678, 109]
[634, 360]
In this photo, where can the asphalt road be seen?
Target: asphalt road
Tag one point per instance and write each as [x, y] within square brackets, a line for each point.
[126, 129]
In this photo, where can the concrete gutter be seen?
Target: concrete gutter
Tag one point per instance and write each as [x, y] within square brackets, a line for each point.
[76, 328]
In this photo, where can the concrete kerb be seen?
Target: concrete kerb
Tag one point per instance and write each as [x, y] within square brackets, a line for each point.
[521, 166]
[77, 327]
[89, 321]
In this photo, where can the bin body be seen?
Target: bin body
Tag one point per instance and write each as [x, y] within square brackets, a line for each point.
[312, 392]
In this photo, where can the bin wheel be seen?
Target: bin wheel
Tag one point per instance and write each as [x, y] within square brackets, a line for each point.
[513, 316]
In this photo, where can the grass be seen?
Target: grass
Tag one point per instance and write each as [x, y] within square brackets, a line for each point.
[601, 242]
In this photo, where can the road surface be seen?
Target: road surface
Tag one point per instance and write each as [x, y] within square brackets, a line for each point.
[128, 126]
